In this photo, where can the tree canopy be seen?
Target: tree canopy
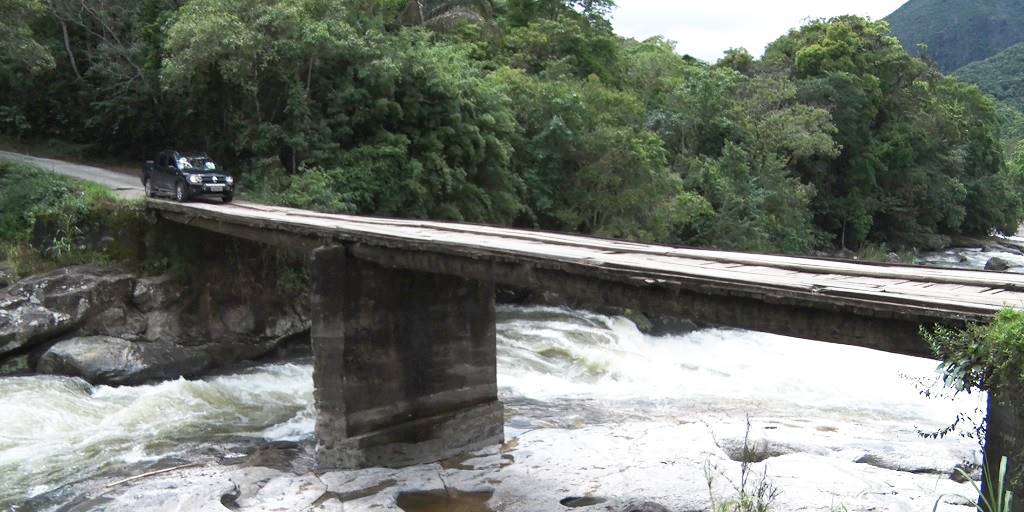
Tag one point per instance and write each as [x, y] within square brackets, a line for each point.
[531, 113]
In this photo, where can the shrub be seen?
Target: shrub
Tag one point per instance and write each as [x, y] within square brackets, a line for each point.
[987, 358]
[45, 218]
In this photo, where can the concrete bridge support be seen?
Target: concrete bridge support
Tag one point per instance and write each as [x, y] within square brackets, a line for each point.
[405, 363]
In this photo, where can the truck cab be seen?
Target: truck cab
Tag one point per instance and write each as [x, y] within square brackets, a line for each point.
[186, 174]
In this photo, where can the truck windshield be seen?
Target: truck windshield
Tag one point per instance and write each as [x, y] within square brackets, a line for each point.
[196, 164]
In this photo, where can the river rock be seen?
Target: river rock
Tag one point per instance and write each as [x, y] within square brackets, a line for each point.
[997, 264]
[16, 365]
[163, 325]
[44, 306]
[238, 319]
[661, 325]
[118, 320]
[643, 506]
[138, 318]
[906, 461]
[110, 360]
[285, 492]
[201, 489]
[158, 292]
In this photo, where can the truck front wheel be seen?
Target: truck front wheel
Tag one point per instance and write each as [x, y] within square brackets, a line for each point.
[180, 192]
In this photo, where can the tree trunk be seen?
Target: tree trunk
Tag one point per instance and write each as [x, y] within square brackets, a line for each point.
[67, 48]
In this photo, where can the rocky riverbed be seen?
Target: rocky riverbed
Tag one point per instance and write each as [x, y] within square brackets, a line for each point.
[599, 416]
[1003, 254]
[109, 326]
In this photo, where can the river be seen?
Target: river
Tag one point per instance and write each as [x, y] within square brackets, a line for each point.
[587, 396]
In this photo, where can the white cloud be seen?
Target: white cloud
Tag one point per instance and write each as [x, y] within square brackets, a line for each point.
[706, 29]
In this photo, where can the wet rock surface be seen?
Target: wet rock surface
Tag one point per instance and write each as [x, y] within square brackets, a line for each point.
[643, 506]
[641, 467]
[108, 326]
[157, 292]
[16, 365]
[42, 307]
[110, 360]
[997, 264]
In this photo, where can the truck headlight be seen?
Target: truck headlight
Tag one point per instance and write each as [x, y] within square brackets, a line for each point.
[195, 179]
[229, 180]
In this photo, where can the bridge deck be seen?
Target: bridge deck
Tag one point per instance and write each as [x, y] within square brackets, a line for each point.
[903, 292]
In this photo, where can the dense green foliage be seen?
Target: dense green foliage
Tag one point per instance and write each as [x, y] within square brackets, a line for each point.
[920, 155]
[524, 112]
[44, 217]
[1001, 75]
[988, 358]
[958, 32]
[983, 357]
[27, 193]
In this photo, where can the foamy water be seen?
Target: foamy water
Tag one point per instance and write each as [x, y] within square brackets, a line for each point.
[973, 258]
[549, 353]
[56, 430]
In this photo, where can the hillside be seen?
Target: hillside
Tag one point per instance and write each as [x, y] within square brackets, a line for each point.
[959, 32]
[1001, 75]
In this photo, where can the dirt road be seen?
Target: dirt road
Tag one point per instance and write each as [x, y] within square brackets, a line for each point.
[124, 185]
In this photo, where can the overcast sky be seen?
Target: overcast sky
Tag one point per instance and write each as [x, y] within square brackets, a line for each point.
[705, 28]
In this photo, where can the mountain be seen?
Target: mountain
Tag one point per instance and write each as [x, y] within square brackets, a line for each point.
[1001, 75]
[959, 32]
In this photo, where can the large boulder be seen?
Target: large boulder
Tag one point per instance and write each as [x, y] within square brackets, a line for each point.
[110, 360]
[42, 307]
[142, 328]
[997, 264]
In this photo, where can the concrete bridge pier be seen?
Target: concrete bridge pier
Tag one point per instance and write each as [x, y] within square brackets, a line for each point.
[404, 363]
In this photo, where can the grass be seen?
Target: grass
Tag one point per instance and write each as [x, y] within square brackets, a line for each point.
[45, 218]
[753, 492]
[884, 254]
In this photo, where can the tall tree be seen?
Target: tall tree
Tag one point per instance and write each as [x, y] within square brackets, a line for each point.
[20, 50]
[445, 15]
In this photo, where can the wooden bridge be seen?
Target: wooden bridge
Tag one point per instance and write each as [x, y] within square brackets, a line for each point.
[403, 315]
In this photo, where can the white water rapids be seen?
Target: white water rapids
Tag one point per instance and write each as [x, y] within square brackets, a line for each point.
[558, 370]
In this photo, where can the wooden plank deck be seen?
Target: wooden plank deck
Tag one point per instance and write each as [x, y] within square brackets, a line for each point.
[886, 290]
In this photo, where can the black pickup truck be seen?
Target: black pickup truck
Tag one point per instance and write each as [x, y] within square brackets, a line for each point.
[184, 174]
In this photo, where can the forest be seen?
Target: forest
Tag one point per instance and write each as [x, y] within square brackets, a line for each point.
[531, 113]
